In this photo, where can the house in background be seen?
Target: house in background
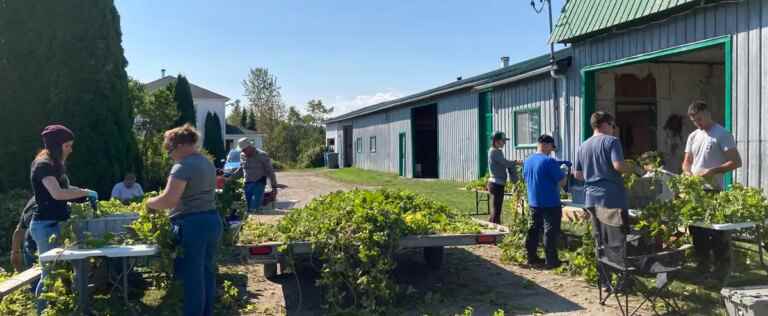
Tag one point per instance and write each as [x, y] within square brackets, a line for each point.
[204, 100]
[233, 133]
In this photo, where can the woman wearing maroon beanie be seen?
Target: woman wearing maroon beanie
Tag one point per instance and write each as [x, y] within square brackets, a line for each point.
[50, 184]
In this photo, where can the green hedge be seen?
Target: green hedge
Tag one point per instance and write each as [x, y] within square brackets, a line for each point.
[62, 62]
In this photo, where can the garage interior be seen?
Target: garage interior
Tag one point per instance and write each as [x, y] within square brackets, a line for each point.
[650, 100]
[425, 148]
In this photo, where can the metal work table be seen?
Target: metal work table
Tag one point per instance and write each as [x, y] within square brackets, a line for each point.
[79, 257]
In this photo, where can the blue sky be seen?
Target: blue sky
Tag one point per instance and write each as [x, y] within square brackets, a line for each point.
[347, 53]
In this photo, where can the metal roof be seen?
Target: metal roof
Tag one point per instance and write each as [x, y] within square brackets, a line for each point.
[582, 18]
[517, 71]
[237, 130]
[197, 91]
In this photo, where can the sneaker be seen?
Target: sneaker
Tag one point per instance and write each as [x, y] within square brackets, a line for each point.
[553, 265]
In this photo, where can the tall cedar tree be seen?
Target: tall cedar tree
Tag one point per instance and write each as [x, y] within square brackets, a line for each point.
[62, 62]
[184, 103]
[212, 142]
[208, 130]
[218, 142]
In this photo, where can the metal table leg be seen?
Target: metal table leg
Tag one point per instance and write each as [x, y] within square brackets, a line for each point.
[125, 280]
[477, 203]
[81, 283]
[488, 203]
[759, 231]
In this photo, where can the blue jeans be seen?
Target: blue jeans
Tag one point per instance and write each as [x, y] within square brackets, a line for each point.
[254, 193]
[199, 236]
[41, 232]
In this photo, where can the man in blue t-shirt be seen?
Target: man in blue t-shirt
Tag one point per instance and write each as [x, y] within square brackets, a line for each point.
[544, 178]
[600, 164]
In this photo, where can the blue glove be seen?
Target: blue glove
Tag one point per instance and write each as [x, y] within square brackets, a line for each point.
[93, 195]
[566, 163]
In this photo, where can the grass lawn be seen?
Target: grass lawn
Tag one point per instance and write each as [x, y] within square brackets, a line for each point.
[444, 191]
[699, 293]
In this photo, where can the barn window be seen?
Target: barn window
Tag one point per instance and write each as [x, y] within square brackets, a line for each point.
[527, 127]
[359, 145]
[372, 144]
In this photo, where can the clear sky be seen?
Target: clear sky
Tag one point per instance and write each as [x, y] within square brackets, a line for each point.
[348, 53]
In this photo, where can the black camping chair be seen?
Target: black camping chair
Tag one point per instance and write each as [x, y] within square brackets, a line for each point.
[623, 255]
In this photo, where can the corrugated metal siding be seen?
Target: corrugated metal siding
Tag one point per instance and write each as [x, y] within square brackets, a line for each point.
[747, 21]
[365, 127]
[582, 17]
[458, 127]
[532, 93]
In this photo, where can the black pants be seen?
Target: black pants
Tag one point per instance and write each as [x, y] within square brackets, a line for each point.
[497, 201]
[546, 219]
[711, 246]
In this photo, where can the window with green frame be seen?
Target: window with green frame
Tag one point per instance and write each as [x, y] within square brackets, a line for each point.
[359, 145]
[527, 127]
[372, 144]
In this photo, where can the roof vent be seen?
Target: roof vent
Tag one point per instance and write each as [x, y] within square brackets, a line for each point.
[162, 73]
[458, 78]
[504, 61]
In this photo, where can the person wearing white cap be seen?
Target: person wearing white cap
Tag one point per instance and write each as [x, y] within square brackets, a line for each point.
[256, 167]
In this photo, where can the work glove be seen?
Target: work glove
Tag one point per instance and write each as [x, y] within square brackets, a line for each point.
[566, 163]
[92, 195]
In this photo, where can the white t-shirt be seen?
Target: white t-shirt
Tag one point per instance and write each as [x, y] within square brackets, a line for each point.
[120, 192]
[708, 147]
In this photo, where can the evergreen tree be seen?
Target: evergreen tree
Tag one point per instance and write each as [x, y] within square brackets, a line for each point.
[251, 120]
[208, 133]
[62, 62]
[244, 118]
[217, 143]
[184, 103]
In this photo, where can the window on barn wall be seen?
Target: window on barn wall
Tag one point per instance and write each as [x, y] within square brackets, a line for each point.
[359, 145]
[527, 127]
[372, 144]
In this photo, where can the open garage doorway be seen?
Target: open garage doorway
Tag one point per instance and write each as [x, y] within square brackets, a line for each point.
[650, 94]
[424, 142]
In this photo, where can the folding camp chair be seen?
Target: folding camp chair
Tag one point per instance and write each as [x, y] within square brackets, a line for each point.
[619, 265]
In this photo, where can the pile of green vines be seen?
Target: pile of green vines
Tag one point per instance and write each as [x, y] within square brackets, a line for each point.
[355, 235]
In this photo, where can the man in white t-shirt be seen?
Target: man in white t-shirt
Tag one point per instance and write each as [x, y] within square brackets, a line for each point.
[710, 152]
[128, 189]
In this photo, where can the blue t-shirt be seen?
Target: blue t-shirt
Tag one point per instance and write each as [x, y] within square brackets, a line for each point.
[603, 184]
[542, 175]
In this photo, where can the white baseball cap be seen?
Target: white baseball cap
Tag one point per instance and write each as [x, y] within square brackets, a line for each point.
[244, 143]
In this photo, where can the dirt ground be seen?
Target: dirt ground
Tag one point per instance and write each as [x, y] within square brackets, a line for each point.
[470, 276]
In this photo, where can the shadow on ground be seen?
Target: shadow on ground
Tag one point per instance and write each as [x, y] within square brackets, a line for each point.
[465, 279]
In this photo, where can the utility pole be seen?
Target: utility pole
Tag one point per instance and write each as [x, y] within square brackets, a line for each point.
[552, 62]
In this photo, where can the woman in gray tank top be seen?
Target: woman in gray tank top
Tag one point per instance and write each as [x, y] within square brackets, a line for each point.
[190, 195]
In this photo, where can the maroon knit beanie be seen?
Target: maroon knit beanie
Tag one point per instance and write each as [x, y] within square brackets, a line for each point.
[56, 135]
